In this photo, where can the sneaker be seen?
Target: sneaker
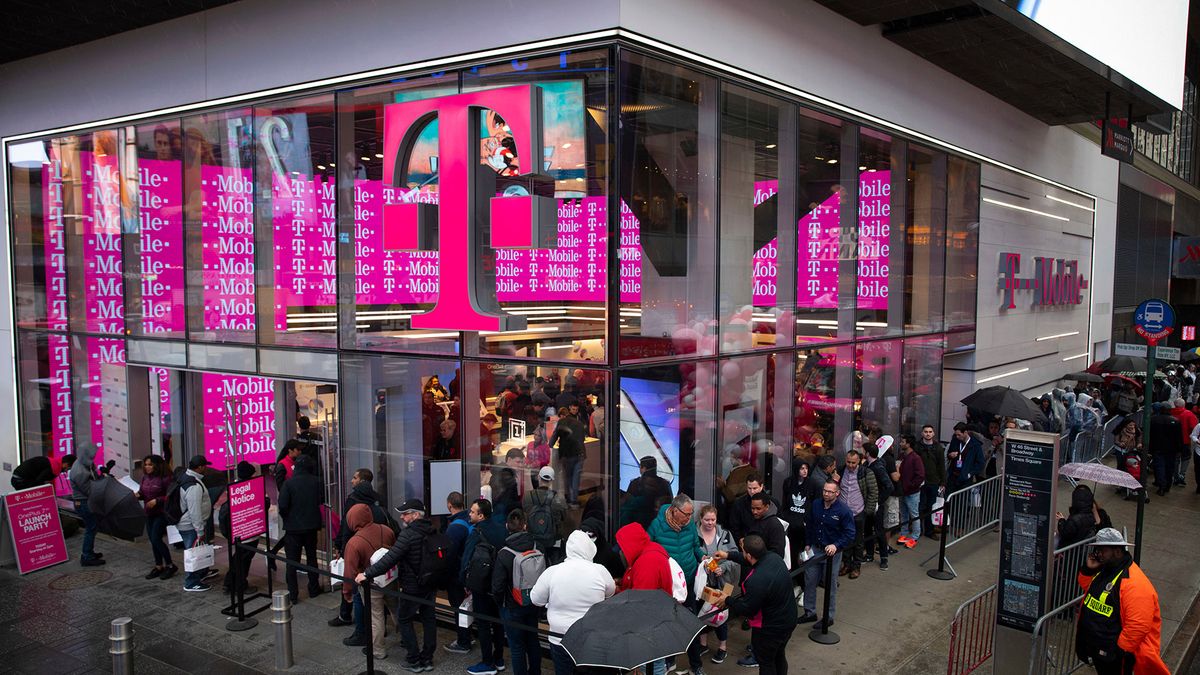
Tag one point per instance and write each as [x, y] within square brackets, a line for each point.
[199, 587]
[883, 564]
[698, 671]
[682, 669]
[212, 573]
[482, 668]
[153, 573]
[910, 543]
[338, 621]
[854, 573]
[168, 572]
[903, 539]
[867, 558]
[703, 650]
[892, 551]
[719, 657]
[748, 662]
[456, 648]
[92, 562]
[808, 617]
[355, 640]
[500, 666]
[98, 554]
[427, 666]
[413, 666]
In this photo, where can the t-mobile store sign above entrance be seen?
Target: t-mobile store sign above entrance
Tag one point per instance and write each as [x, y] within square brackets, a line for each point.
[1055, 281]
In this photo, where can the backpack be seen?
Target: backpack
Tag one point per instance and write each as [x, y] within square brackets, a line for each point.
[436, 557]
[174, 507]
[541, 520]
[527, 566]
[479, 568]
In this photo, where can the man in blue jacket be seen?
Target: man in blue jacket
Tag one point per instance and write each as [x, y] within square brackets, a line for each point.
[490, 533]
[458, 529]
[964, 459]
[830, 531]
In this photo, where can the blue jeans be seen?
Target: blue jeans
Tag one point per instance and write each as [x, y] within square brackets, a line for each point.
[563, 665]
[910, 506]
[1164, 473]
[573, 468]
[189, 540]
[526, 652]
[360, 621]
[89, 530]
[156, 532]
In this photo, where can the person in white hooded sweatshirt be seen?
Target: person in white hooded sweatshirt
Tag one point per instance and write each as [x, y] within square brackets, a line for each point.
[568, 590]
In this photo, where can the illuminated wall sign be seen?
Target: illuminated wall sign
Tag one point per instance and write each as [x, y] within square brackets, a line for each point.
[1055, 281]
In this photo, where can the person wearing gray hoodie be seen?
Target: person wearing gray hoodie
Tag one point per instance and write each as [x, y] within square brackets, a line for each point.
[197, 509]
[81, 476]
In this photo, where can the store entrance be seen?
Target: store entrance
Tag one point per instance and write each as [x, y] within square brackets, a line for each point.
[231, 418]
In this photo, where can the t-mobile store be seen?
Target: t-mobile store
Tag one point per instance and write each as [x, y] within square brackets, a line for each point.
[432, 263]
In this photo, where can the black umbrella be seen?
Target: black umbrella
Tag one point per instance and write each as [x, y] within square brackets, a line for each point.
[1084, 377]
[631, 629]
[1120, 364]
[118, 512]
[1005, 402]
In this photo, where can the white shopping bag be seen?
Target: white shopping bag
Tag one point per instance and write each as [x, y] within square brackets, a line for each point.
[892, 515]
[679, 585]
[938, 515]
[173, 536]
[716, 619]
[274, 524]
[337, 567]
[390, 576]
[468, 605]
[198, 557]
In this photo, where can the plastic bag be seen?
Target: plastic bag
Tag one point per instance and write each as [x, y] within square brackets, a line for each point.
[938, 516]
[714, 620]
[197, 558]
[468, 605]
[337, 567]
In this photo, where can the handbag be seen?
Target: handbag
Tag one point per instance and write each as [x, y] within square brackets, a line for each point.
[197, 558]
[337, 567]
[388, 577]
[938, 515]
[468, 605]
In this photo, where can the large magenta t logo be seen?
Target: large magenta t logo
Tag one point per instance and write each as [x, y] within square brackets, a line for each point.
[463, 184]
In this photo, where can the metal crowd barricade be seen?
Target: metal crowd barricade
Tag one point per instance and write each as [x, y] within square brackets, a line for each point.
[971, 633]
[1091, 446]
[1053, 649]
[1067, 560]
[968, 511]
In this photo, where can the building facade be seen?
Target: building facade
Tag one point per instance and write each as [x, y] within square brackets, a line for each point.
[724, 252]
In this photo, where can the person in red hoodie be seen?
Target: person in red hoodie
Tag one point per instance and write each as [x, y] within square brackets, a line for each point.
[369, 537]
[1189, 421]
[646, 563]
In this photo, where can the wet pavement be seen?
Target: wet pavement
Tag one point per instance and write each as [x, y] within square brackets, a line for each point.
[894, 621]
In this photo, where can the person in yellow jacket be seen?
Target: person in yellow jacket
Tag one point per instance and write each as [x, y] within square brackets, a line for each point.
[1120, 626]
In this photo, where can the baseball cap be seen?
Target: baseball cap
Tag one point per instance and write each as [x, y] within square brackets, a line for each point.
[1109, 537]
[412, 506]
[546, 474]
[884, 443]
[198, 461]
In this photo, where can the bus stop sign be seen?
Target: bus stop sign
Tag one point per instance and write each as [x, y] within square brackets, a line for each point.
[1154, 320]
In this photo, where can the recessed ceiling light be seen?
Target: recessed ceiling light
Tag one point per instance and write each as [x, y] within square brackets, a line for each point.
[831, 161]
[379, 155]
[365, 158]
[772, 145]
[321, 167]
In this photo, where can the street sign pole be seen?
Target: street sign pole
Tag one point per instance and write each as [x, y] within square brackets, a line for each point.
[1154, 319]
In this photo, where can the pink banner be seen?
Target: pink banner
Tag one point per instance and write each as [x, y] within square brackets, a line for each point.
[389, 277]
[874, 237]
[303, 220]
[103, 271]
[227, 255]
[58, 347]
[252, 429]
[160, 221]
[36, 530]
[248, 508]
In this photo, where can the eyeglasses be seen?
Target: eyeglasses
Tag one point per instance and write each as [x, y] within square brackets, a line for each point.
[829, 492]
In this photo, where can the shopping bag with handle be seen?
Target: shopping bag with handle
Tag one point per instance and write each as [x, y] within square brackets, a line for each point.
[198, 557]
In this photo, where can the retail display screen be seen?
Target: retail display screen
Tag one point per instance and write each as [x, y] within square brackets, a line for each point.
[649, 428]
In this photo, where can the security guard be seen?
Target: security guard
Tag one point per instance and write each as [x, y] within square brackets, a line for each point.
[1120, 627]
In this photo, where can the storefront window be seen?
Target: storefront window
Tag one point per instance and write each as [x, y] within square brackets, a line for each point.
[825, 400]
[294, 208]
[880, 245]
[560, 290]
[921, 402]
[44, 364]
[154, 251]
[925, 238]
[38, 236]
[878, 372]
[755, 212]
[962, 251]
[825, 251]
[218, 180]
[754, 431]
[669, 116]
[99, 399]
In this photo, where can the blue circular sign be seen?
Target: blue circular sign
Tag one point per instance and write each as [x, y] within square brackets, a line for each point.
[1154, 319]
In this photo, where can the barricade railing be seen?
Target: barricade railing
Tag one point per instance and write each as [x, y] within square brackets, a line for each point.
[1067, 561]
[965, 513]
[1091, 446]
[971, 633]
[1053, 648]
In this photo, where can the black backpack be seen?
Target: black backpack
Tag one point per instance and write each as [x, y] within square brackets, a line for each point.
[174, 507]
[541, 519]
[437, 552]
[479, 567]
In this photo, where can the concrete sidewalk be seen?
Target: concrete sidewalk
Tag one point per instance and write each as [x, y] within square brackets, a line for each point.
[896, 621]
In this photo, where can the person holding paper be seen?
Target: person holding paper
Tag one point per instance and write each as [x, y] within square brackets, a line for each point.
[766, 600]
[152, 491]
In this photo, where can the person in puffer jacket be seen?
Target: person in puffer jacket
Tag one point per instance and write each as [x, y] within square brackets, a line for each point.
[568, 590]
[369, 537]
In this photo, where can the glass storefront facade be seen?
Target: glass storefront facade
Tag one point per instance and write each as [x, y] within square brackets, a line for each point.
[734, 279]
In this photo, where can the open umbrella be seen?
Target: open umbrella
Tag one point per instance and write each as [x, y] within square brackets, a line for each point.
[1005, 402]
[1119, 364]
[1099, 473]
[631, 629]
[118, 512]
[1189, 356]
[1084, 377]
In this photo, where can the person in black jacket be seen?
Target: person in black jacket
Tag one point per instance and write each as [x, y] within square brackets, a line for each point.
[361, 492]
[766, 598]
[741, 518]
[300, 509]
[645, 494]
[1084, 518]
[35, 471]
[766, 523]
[874, 523]
[1166, 444]
[526, 651]
[406, 555]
